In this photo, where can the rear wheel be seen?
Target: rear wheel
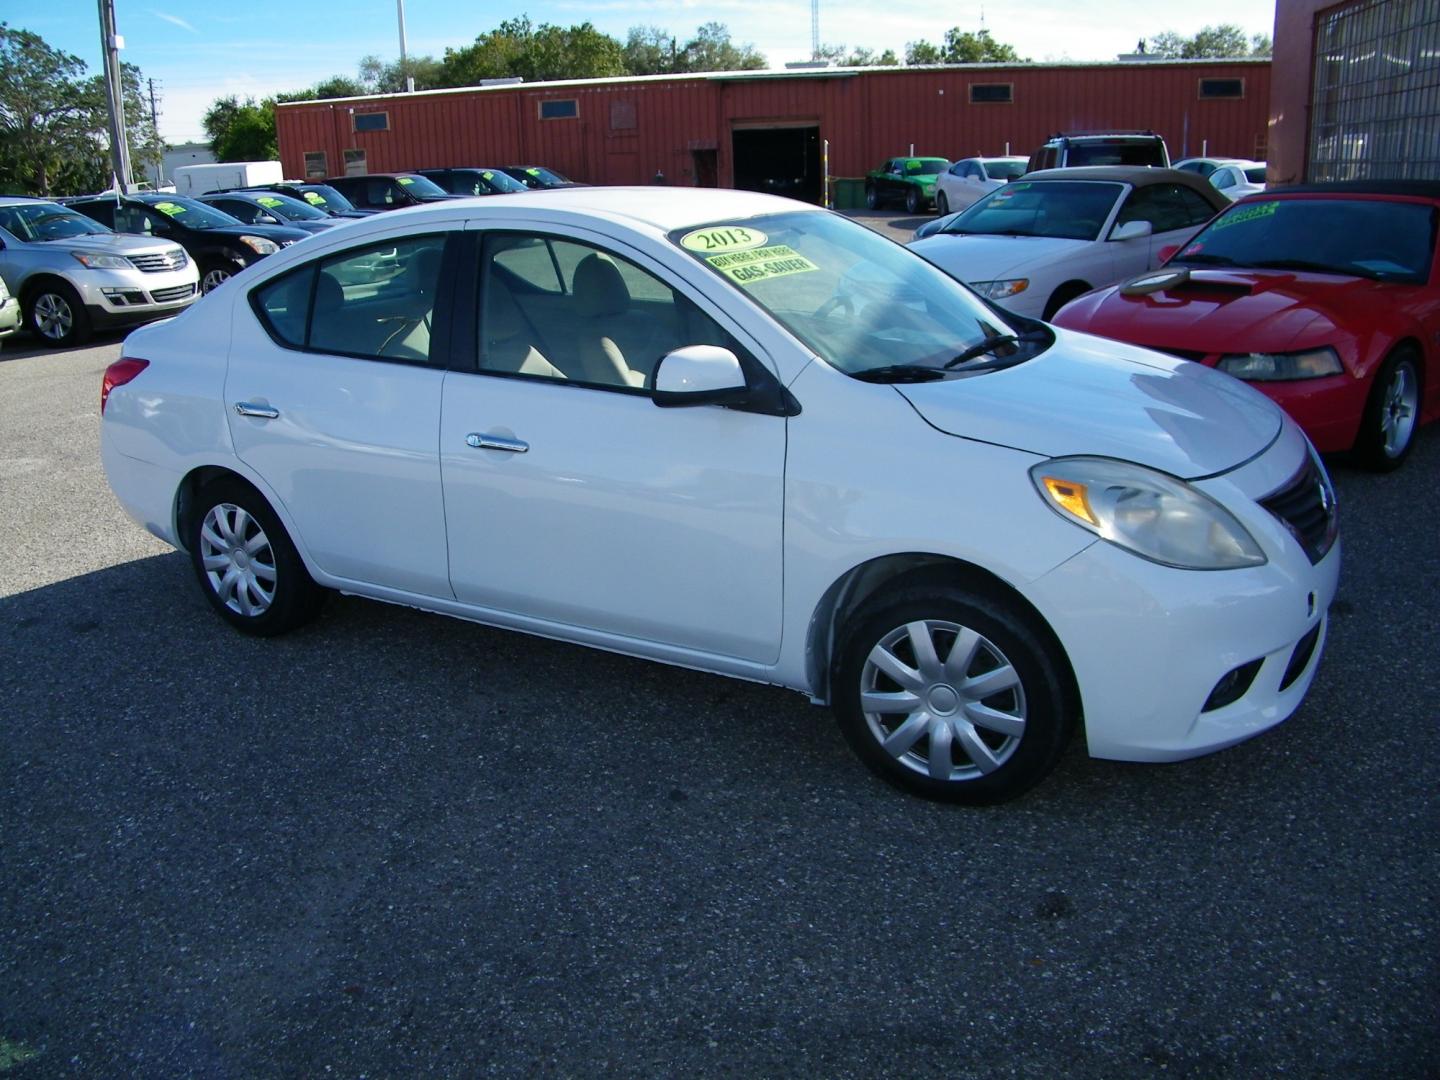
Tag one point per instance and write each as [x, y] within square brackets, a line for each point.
[952, 695]
[872, 197]
[246, 564]
[215, 274]
[56, 315]
[942, 204]
[1392, 412]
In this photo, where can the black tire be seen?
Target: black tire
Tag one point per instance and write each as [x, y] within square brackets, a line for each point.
[1394, 399]
[1008, 643]
[872, 197]
[1062, 296]
[942, 204]
[914, 201]
[233, 523]
[215, 272]
[55, 315]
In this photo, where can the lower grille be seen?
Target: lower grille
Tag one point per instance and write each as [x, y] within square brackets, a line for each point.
[167, 296]
[1306, 506]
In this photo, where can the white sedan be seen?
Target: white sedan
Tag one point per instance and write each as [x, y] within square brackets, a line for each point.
[666, 422]
[1236, 179]
[1039, 242]
[970, 178]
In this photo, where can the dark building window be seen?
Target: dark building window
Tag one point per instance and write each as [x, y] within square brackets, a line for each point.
[1375, 110]
[1222, 88]
[315, 164]
[563, 109]
[622, 116]
[992, 93]
[372, 121]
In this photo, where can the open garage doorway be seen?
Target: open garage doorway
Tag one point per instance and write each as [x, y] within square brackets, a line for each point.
[779, 161]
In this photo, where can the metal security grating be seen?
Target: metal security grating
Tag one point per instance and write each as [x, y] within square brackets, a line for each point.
[155, 264]
[1306, 505]
[1375, 114]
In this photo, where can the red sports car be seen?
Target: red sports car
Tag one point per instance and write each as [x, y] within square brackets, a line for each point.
[1326, 297]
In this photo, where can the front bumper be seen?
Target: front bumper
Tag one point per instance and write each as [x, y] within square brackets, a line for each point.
[1328, 410]
[116, 298]
[10, 316]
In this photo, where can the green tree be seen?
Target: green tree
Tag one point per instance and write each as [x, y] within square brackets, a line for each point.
[338, 86]
[712, 50]
[857, 57]
[243, 131]
[923, 52]
[650, 50]
[378, 77]
[1211, 43]
[964, 47]
[534, 53]
[51, 118]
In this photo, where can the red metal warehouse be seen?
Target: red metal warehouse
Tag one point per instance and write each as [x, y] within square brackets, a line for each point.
[764, 130]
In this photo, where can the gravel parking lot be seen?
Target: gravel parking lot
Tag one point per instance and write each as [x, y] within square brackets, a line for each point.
[395, 844]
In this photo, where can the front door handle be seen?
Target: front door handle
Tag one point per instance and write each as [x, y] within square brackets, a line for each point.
[495, 442]
[263, 412]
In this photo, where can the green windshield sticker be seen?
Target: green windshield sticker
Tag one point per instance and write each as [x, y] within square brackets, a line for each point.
[269, 200]
[488, 175]
[1246, 213]
[723, 238]
[912, 165]
[407, 180]
[533, 172]
[314, 198]
[760, 264]
[170, 208]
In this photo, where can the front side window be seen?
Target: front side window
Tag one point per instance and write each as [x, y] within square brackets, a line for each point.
[1222, 179]
[375, 302]
[1159, 204]
[557, 309]
[1062, 209]
[188, 212]
[865, 305]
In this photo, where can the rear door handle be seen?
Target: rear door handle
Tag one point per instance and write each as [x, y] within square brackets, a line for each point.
[495, 442]
[264, 412]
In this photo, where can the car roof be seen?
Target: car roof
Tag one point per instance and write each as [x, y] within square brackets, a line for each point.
[1426, 189]
[1136, 175]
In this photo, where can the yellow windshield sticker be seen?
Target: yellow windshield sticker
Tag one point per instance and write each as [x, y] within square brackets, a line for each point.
[533, 172]
[488, 175]
[723, 238]
[170, 208]
[314, 198]
[268, 200]
[760, 264]
[1247, 213]
[407, 180]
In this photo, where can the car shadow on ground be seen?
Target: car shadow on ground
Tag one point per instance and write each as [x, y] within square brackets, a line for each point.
[24, 345]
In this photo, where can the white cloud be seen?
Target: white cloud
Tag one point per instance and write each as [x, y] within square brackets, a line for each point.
[174, 20]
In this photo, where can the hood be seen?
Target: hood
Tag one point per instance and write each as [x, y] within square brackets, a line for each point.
[987, 258]
[1219, 311]
[112, 244]
[1086, 395]
[281, 234]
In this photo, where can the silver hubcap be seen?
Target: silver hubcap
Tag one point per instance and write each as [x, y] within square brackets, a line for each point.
[238, 561]
[943, 700]
[53, 317]
[1397, 414]
[213, 278]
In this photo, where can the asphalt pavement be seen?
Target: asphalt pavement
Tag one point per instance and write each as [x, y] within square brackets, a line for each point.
[395, 844]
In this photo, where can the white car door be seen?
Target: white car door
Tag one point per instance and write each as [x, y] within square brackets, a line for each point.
[570, 496]
[333, 400]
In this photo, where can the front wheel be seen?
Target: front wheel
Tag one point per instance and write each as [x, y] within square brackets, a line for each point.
[246, 564]
[56, 315]
[1392, 412]
[914, 201]
[942, 204]
[872, 197]
[952, 695]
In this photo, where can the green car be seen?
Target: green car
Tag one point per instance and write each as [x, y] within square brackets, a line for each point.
[911, 179]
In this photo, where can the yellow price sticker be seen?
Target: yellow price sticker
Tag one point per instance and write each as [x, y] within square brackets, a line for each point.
[170, 208]
[314, 198]
[1246, 213]
[760, 264]
[723, 238]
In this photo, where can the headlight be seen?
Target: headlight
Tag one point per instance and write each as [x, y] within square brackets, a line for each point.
[998, 290]
[1282, 367]
[1146, 512]
[260, 245]
[102, 262]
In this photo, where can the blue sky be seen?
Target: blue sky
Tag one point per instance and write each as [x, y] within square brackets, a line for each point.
[198, 52]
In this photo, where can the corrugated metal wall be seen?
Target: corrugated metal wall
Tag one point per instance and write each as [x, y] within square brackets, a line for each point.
[625, 131]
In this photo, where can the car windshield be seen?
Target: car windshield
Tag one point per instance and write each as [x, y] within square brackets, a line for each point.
[926, 167]
[501, 181]
[421, 187]
[536, 176]
[44, 221]
[861, 302]
[1255, 174]
[1005, 169]
[1116, 152]
[1382, 239]
[1062, 209]
[282, 206]
[326, 198]
[193, 214]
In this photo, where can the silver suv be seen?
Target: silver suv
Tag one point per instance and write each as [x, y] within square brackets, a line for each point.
[73, 275]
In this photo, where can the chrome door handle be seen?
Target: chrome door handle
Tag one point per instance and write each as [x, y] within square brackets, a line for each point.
[264, 412]
[495, 442]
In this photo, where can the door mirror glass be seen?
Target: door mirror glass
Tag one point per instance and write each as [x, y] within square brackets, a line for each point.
[700, 375]
[1132, 230]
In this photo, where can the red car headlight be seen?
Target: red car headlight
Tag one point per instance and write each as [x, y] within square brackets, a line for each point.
[1282, 367]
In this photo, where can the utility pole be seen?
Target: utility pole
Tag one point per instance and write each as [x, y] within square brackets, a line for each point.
[111, 43]
[160, 143]
[814, 29]
[404, 67]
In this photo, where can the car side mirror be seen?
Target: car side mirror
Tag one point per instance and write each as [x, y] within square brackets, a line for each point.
[711, 375]
[1167, 253]
[1132, 230]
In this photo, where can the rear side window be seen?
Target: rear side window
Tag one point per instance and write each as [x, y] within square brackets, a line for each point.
[283, 306]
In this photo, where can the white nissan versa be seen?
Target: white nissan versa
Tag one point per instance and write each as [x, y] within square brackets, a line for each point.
[739, 434]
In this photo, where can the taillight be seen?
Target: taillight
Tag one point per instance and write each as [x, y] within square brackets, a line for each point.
[118, 374]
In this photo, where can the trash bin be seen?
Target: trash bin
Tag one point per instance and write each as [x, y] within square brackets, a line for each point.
[849, 193]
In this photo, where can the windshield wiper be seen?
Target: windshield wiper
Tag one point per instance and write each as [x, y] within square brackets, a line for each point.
[990, 344]
[900, 373]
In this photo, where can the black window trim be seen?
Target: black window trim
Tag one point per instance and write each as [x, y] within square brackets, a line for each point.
[441, 336]
[1009, 97]
[542, 102]
[355, 121]
[1201, 95]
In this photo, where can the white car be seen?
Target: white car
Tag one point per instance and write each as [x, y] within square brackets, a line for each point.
[669, 423]
[1237, 179]
[970, 178]
[1038, 243]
